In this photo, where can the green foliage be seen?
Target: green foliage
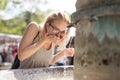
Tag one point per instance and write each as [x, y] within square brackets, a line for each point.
[3, 4]
[38, 17]
[17, 25]
[13, 26]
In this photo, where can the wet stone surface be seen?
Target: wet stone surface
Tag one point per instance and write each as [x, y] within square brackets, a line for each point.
[53, 73]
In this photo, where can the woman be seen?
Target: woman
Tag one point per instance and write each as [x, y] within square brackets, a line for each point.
[36, 48]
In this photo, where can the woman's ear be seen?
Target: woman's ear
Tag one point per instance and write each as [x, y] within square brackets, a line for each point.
[46, 25]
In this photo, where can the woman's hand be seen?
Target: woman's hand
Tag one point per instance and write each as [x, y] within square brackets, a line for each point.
[52, 38]
[69, 52]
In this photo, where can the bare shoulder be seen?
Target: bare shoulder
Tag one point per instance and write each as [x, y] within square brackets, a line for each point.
[32, 29]
[33, 24]
[29, 35]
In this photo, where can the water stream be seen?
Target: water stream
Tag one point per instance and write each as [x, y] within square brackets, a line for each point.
[65, 60]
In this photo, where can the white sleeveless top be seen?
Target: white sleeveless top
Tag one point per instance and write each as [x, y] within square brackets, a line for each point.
[41, 58]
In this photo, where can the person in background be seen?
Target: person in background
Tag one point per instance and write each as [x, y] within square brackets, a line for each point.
[4, 55]
[37, 46]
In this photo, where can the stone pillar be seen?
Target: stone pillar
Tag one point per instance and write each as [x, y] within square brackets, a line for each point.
[97, 41]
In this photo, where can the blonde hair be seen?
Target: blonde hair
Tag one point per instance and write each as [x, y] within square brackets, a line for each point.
[52, 17]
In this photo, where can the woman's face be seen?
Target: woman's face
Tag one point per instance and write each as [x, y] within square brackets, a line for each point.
[57, 28]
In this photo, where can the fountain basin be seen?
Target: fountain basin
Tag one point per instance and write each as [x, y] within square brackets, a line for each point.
[49, 73]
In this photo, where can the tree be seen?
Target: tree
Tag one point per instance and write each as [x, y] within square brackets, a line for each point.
[17, 24]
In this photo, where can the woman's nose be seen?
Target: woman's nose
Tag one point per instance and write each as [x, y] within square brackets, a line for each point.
[58, 34]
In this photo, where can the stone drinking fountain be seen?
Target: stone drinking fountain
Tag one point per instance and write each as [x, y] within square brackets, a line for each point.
[97, 41]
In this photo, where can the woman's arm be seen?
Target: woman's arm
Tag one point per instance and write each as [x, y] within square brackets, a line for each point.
[26, 47]
[67, 52]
